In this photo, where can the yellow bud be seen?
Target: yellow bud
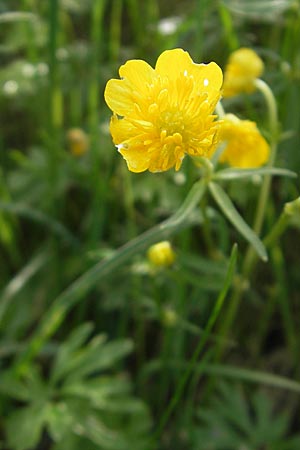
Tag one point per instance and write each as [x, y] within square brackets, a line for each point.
[243, 68]
[245, 146]
[161, 254]
[78, 141]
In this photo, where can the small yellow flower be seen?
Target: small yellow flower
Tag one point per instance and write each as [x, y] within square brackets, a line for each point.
[161, 254]
[246, 147]
[162, 114]
[78, 141]
[243, 67]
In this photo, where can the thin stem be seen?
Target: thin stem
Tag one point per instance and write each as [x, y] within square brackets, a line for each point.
[266, 185]
[270, 100]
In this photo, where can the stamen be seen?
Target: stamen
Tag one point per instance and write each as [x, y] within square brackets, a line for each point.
[153, 108]
[162, 96]
[177, 138]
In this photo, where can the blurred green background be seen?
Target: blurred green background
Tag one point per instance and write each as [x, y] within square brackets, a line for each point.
[95, 367]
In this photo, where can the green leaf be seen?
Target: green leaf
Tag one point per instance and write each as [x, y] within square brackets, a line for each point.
[13, 387]
[24, 427]
[110, 394]
[233, 174]
[101, 435]
[66, 351]
[96, 357]
[234, 420]
[59, 419]
[97, 389]
[109, 439]
[235, 218]
[254, 376]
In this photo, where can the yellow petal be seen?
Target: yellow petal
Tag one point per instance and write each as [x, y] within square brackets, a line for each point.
[118, 97]
[121, 130]
[173, 62]
[137, 160]
[138, 73]
[208, 76]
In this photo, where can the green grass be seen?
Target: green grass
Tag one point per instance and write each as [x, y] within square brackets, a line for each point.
[97, 349]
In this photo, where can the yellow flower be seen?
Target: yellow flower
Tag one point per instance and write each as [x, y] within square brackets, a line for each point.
[243, 67]
[246, 147]
[78, 141]
[161, 254]
[162, 114]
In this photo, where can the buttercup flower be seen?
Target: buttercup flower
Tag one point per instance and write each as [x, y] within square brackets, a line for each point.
[162, 114]
[246, 147]
[243, 67]
[161, 254]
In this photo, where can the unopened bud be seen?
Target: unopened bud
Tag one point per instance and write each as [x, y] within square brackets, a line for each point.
[78, 141]
[161, 254]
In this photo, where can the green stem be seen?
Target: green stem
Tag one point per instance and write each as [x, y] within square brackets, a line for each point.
[80, 287]
[270, 100]
[273, 127]
[266, 185]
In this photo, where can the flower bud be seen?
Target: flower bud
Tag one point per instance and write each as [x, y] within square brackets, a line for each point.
[243, 68]
[78, 141]
[161, 254]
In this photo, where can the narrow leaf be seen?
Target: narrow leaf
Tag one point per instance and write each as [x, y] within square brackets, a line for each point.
[254, 376]
[232, 174]
[235, 218]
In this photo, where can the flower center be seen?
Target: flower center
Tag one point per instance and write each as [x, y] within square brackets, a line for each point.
[172, 122]
[172, 127]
